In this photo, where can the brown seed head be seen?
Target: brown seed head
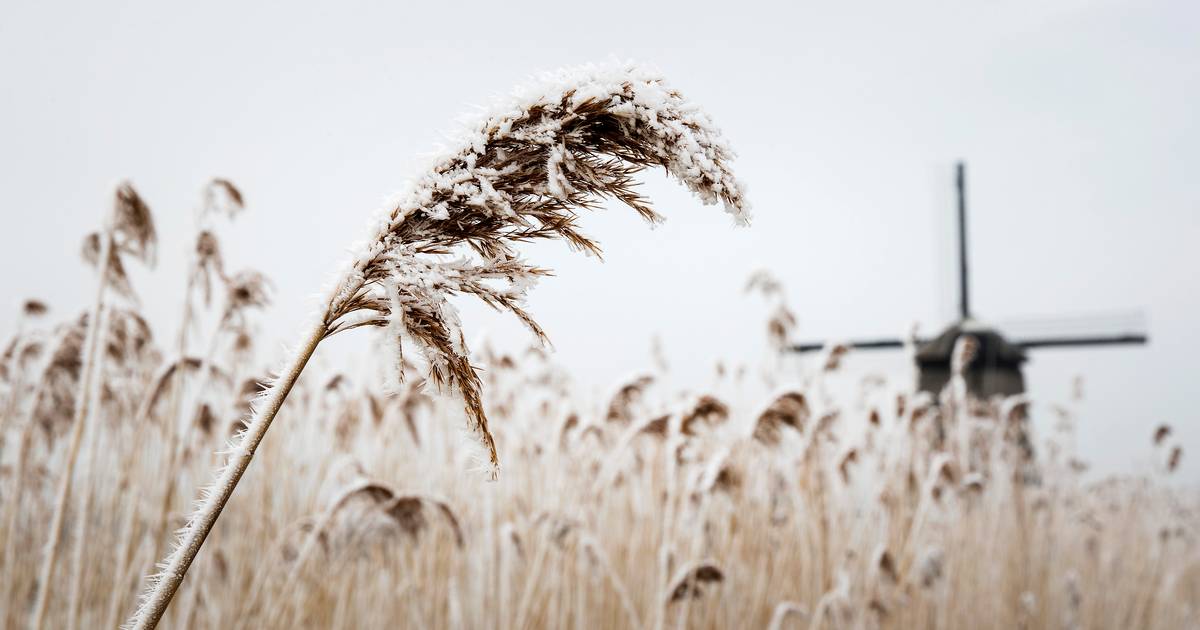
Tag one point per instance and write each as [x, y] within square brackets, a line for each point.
[520, 175]
[690, 581]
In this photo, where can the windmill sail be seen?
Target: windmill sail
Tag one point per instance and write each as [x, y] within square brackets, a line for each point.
[1078, 330]
[964, 294]
[861, 344]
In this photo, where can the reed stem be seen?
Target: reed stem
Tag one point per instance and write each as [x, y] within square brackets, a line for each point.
[151, 610]
[83, 401]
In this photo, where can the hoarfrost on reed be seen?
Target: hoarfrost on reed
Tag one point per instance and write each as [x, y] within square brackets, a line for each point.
[521, 174]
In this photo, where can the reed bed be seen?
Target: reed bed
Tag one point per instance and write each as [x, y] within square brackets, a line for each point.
[689, 513]
[647, 508]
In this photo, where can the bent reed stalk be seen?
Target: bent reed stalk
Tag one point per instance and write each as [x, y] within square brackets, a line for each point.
[521, 174]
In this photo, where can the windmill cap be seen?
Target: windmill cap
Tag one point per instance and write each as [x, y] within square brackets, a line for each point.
[993, 348]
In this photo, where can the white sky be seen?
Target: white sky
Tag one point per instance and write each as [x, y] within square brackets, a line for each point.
[1078, 122]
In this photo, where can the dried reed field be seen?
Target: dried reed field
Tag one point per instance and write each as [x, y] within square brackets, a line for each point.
[455, 487]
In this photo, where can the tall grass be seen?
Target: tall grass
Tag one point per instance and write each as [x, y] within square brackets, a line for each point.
[647, 508]
[363, 514]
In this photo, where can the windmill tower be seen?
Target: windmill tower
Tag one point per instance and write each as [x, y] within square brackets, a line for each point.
[996, 368]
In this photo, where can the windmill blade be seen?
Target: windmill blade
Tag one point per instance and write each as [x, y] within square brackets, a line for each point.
[964, 294]
[1100, 329]
[945, 233]
[1068, 342]
[862, 344]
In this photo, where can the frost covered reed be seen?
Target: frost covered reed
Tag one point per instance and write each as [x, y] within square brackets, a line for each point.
[128, 231]
[521, 174]
[640, 507]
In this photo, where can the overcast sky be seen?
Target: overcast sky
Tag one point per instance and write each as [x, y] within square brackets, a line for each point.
[1078, 121]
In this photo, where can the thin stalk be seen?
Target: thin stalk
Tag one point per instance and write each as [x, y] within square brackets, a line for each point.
[11, 521]
[155, 604]
[91, 359]
[12, 410]
[172, 419]
[180, 439]
[175, 440]
[310, 543]
[126, 549]
[13, 508]
[82, 521]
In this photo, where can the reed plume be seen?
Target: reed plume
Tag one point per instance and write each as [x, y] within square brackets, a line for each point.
[781, 323]
[521, 174]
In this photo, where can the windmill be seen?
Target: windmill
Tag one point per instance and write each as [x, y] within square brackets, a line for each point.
[996, 368]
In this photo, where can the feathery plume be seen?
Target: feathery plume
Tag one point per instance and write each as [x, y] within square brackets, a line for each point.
[521, 174]
[34, 308]
[690, 581]
[1161, 434]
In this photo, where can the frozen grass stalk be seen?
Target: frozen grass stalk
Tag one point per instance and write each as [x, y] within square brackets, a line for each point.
[82, 407]
[129, 231]
[520, 174]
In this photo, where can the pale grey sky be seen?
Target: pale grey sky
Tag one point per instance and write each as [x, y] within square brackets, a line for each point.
[1077, 119]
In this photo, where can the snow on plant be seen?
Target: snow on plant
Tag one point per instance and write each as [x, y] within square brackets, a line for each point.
[566, 143]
